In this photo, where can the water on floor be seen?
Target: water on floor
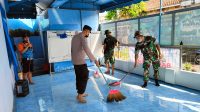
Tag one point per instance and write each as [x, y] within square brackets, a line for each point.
[57, 93]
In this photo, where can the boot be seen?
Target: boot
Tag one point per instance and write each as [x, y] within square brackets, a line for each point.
[144, 85]
[156, 82]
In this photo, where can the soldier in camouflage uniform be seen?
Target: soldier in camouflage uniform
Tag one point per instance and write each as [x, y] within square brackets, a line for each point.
[109, 44]
[151, 53]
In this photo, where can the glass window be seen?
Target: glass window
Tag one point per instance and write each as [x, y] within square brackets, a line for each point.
[122, 53]
[166, 30]
[109, 26]
[126, 30]
[150, 26]
[187, 28]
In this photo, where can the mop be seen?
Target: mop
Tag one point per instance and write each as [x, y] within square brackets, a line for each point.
[114, 95]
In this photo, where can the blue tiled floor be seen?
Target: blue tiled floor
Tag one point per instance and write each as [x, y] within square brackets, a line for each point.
[57, 93]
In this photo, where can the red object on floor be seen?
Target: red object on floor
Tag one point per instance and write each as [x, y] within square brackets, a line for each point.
[113, 91]
[115, 83]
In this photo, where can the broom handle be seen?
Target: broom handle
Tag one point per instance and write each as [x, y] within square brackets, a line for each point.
[125, 76]
[104, 78]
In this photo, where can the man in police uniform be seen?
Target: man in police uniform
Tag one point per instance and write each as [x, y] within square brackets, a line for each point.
[151, 53]
[79, 49]
[109, 44]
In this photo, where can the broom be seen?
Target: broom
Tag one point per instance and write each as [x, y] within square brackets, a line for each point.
[114, 95]
[116, 83]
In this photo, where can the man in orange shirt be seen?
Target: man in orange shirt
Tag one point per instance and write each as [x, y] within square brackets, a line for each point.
[26, 50]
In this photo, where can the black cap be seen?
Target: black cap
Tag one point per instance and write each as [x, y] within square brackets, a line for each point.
[137, 33]
[107, 32]
[25, 35]
[86, 27]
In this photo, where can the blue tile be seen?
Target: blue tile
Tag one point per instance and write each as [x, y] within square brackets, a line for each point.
[57, 93]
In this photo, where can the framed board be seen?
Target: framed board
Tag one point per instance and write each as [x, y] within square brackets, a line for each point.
[59, 49]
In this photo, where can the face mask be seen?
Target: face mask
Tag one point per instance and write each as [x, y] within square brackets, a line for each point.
[139, 40]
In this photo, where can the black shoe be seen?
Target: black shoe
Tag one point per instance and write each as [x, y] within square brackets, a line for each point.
[31, 83]
[144, 85]
[156, 82]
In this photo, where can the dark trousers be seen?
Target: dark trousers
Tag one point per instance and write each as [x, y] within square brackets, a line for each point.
[82, 74]
[27, 65]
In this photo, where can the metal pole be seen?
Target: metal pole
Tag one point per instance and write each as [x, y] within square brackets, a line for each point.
[160, 20]
[181, 54]
[50, 69]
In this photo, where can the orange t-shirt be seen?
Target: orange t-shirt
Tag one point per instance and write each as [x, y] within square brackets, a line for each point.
[21, 46]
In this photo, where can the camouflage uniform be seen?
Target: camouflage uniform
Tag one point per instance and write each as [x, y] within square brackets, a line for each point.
[150, 54]
[109, 56]
[110, 43]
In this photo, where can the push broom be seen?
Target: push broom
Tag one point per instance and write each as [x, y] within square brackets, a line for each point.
[114, 95]
[116, 83]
